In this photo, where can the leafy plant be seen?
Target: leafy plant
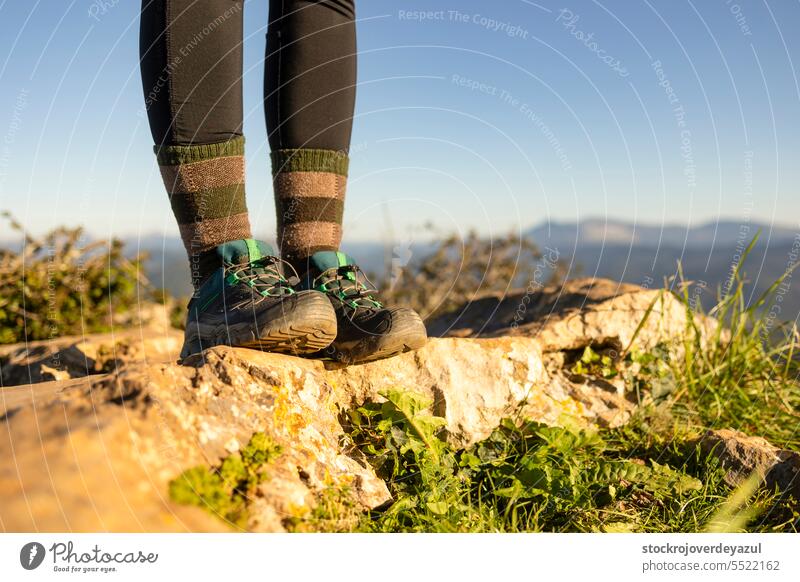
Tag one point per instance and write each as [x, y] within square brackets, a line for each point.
[650, 372]
[225, 490]
[400, 438]
[532, 477]
[593, 364]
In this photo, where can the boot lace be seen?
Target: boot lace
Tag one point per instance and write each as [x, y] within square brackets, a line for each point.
[350, 285]
[263, 276]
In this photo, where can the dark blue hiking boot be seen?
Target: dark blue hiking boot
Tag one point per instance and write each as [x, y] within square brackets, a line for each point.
[367, 330]
[248, 303]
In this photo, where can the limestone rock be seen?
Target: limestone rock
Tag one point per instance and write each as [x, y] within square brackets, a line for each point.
[475, 383]
[742, 455]
[152, 341]
[98, 453]
[582, 312]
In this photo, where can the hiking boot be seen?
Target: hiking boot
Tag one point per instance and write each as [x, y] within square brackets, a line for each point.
[367, 330]
[248, 303]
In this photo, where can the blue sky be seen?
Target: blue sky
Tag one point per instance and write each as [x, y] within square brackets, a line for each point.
[490, 115]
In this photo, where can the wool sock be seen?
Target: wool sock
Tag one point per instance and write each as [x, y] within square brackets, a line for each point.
[310, 188]
[205, 184]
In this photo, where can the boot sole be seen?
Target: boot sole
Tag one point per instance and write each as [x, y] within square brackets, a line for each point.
[410, 335]
[310, 327]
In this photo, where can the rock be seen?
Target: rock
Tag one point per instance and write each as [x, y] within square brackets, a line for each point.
[104, 448]
[598, 313]
[742, 455]
[475, 383]
[76, 356]
[582, 312]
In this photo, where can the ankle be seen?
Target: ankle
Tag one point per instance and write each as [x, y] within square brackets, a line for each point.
[202, 265]
[206, 187]
[310, 187]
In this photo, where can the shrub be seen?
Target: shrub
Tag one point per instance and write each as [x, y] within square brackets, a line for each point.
[461, 268]
[62, 285]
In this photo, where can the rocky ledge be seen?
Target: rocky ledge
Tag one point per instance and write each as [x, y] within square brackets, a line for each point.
[95, 448]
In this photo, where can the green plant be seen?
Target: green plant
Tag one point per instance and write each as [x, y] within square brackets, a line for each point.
[593, 364]
[62, 285]
[531, 477]
[226, 490]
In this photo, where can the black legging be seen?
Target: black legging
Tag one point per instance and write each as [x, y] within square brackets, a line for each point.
[191, 62]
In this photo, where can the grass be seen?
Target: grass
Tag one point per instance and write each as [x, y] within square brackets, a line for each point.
[648, 476]
[749, 381]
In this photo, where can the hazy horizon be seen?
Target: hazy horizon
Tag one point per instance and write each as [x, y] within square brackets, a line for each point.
[170, 233]
[486, 116]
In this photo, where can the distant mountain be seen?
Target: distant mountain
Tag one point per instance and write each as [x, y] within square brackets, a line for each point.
[613, 232]
[708, 253]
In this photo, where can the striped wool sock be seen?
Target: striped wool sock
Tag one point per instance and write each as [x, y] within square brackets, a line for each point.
[309, 186]
[206, 190]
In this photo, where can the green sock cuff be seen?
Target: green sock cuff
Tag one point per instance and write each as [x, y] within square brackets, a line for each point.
[310, 160]
[175, 155]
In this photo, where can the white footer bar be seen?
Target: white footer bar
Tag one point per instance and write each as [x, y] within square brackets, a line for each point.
[400, 557]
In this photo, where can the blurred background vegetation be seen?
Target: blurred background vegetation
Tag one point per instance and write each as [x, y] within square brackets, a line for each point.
[67, 284]
[61, 285]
